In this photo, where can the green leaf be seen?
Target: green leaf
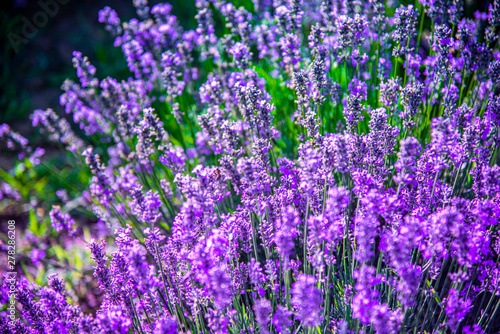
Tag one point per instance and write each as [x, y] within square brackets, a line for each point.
[33, 223]
[60, 252]
[78, 263]
[40, 276]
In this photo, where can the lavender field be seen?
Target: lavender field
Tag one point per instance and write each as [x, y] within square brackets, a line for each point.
[286, 166]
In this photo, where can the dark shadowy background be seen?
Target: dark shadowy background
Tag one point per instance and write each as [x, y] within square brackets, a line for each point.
[32, 74]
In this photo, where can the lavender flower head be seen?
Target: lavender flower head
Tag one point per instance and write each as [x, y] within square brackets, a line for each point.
[60, 221]
[405, 20]
[307, 300]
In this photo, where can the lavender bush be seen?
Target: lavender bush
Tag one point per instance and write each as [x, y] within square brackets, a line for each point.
[286, 167]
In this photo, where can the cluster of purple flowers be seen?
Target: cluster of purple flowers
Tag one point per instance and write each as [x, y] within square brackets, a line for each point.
[280, 176]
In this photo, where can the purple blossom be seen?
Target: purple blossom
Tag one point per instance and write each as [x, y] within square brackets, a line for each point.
[307, 300]
[351, 30]
[60, 221]
[281, 320]
[366, 307]
[262, 309]
[145, 206]
[165, 325]
[456, 309]
[100, 182]
[101, 271]
[407, 157]
[113, 320]
[357, 87]
[411, 96]
[36, 255]
[31, 310]
[353, 113]
[175, 159]
[84, 70]
[335, 152]
[286, 231]
[389, 93]
[241, 55]
[404, 22]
